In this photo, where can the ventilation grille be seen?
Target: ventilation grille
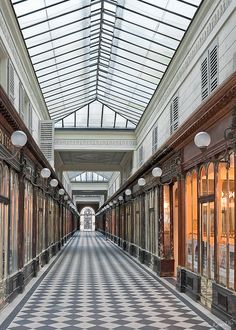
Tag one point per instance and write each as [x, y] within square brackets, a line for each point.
[174, 115]
[11, 82]
[47, 138]
[154, 139]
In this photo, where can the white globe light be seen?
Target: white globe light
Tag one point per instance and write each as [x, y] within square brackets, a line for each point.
[110, 203]
[18, 139]
[61, 191]
[115, 201]
[202, 140]
[157, 172]
[141, 182]
[128, 192]
[66, 198]
[53, 183]
[120, 198]
[45, 173]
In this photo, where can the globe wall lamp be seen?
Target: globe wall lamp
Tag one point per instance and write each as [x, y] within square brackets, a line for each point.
[141, 182]
[18, 140]
[202, 140]
[128, 192]
[120, 198]
[157, 173]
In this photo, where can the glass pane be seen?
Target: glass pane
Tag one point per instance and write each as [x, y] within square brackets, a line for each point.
[211, 181]
[203, 181]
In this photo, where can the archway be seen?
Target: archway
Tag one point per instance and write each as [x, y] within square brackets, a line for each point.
[87, 219]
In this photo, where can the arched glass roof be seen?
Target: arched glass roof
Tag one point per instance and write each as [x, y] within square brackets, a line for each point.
[111, 51]
[89, 177]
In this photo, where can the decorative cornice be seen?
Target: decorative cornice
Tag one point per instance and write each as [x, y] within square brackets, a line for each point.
[96, 142]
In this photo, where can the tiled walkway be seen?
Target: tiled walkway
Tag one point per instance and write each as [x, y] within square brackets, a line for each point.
[94, 285]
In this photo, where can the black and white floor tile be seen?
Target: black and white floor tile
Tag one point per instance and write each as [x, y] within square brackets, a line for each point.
[93, 285]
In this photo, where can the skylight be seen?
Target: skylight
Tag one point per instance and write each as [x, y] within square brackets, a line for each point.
[111, 51]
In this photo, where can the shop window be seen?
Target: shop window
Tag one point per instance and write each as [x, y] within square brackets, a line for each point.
[167, 224]
[40, 223]
[151, 223]
[226, 221]
[4, 209]
[14, 218]
[28, 218]
[191, 221]
[137, 222]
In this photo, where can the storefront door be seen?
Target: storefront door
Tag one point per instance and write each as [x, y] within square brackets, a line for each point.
[207, 250]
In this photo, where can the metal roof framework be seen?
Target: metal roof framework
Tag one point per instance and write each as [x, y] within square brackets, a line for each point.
[109, 52]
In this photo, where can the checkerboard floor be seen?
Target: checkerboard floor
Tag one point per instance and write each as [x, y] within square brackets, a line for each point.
[93, 285]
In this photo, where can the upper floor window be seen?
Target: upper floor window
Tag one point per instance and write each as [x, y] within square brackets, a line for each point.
[154, 139]
[140, 156]
[174, 114]
[11, 81]
[209, 71]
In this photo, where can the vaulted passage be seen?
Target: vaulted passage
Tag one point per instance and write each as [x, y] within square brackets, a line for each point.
[94, 285]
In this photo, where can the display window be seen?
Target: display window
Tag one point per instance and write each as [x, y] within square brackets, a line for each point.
[28, 218]
[137, 222]
[167, 223]
[4, 216]
[128, 223]
[214, 226]
[226, 223]
[14, 219]
[40, 223]
[151, 222]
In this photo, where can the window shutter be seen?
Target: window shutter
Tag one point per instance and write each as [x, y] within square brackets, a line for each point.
[46, 133]
[30, 118]
[11, 81]
[21, 101]
[213, 67]
[154, 139]
[204, 78]
[140, 158]
[174, 115]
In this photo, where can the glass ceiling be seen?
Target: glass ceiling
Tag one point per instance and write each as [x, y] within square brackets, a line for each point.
[111, 51]
[90, 176]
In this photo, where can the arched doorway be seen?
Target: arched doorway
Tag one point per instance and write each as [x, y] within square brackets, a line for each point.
[87, 219]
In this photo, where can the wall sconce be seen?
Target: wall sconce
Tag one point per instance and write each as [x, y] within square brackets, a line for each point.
[54, 183]
[115, 202]
[18, 140]
[61, 192]
[141, 182]
[128, 192]
[66, 198]
[110, 204]
[45, 173]
[157, 173]
[202, 140]
[120, 198]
